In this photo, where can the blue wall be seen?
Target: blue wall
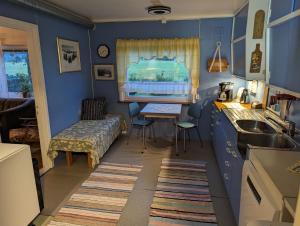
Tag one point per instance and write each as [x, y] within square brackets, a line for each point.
[208, 30]
[64, 92]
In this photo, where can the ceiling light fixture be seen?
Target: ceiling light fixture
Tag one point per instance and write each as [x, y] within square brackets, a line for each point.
[159, 10]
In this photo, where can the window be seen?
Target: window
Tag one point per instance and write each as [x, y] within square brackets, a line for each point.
[158, 77]
[17, 77]
[158, 69]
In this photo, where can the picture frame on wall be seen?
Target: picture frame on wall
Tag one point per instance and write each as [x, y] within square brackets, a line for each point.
[104, 72]
[68, 55]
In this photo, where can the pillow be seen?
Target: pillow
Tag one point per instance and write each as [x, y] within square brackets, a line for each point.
[93, 109]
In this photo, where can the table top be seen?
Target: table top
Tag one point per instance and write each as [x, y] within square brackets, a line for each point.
[162, 109]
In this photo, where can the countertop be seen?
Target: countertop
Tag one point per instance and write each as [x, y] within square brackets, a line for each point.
[273, 166]
[232, 104]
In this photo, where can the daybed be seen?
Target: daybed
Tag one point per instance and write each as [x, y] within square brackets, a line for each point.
[93, 137]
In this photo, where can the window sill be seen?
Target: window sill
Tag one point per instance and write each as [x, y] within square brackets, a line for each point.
[156, 100]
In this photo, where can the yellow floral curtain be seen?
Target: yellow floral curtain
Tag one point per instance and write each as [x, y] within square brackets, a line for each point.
[185, 50]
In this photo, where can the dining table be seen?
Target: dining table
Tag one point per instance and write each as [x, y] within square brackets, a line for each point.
[163, 111]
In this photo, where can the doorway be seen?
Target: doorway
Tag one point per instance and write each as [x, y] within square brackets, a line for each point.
[24, 78]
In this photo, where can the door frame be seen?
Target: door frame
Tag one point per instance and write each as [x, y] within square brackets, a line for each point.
[38, 81]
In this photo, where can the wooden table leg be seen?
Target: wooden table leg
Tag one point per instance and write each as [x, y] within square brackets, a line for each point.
[90, 164]
[69, 158]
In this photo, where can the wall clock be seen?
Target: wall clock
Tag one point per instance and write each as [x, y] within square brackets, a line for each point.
[103, 51]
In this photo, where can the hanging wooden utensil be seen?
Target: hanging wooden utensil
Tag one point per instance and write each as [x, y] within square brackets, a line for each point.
[220, 65]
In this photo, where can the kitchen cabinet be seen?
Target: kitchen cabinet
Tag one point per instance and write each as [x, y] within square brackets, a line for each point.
[248, 41]
[297, 5]
[280, 9]
[240, 22]
[285, 55]
[224, 138]
[239, 59]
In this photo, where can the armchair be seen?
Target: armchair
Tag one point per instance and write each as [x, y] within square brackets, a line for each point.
[11, 110]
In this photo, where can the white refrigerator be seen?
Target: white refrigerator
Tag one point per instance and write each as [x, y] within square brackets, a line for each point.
[18, 196]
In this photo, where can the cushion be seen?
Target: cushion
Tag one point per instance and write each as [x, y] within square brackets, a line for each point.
[11, 103]
[2, 104]
[93, 109]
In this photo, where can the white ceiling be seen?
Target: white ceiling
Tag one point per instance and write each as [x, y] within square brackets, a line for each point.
[134, 10]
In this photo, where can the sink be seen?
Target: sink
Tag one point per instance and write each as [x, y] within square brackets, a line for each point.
[255, 126]
[279, 142]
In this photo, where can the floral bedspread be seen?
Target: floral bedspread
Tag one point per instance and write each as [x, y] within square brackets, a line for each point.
[94, 136]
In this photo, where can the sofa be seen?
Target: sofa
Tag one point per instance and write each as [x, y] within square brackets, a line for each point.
[11, 110]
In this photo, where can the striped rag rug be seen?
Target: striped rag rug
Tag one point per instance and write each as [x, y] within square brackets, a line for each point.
[100, 199]
[182, 195]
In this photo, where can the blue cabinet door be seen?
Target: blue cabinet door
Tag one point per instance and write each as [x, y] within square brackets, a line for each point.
[240, 23]
[293, 76]
[239, 58]
[280, 8]
[297, 5]
[279, 53]
[236, 182]
[285, 55]
[220, 140]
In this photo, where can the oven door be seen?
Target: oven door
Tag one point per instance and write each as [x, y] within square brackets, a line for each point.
[256, 203]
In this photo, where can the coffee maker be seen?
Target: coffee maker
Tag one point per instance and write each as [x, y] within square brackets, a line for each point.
[225, 91]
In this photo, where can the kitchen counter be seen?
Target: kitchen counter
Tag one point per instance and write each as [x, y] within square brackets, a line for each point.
[273, 166]
[235, 105]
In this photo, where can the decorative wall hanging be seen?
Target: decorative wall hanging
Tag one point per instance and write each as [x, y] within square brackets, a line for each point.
[68, 55]
[259, 23]
[104, 72]
[217, 65]
[103, 51]
[256, 57]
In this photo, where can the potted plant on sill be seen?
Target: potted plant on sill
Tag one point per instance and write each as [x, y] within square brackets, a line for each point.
[25, 85]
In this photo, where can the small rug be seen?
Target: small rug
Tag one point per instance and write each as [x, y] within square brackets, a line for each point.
[182, 195]
[101, 198]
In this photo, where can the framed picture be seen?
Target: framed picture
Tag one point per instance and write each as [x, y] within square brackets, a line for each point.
[68, 55]
[104, 72]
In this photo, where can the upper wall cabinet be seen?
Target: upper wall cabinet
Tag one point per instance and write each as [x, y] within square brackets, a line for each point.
[284, 53]
[280, 8]
[240, 23]
[248, 40]
[297, 4]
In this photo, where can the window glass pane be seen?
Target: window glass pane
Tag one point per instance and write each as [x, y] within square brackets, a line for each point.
[17, 71]
[297, 4]
[280, 8]
[285, 55]
[239, 58]
[158, 77]
[158, 70]
[240, 24]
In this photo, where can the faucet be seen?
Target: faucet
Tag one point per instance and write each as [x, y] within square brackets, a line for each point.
[288, 127]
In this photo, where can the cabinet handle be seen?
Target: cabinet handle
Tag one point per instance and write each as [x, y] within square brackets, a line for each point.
[234, 154]
[226, 177]
[229, 144]
[212, 125]
[228, 150]
[217, 123]
[227, 163]
[212, 116]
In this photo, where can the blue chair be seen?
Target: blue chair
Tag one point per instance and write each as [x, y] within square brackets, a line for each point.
[138, 122]
[195, 112]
